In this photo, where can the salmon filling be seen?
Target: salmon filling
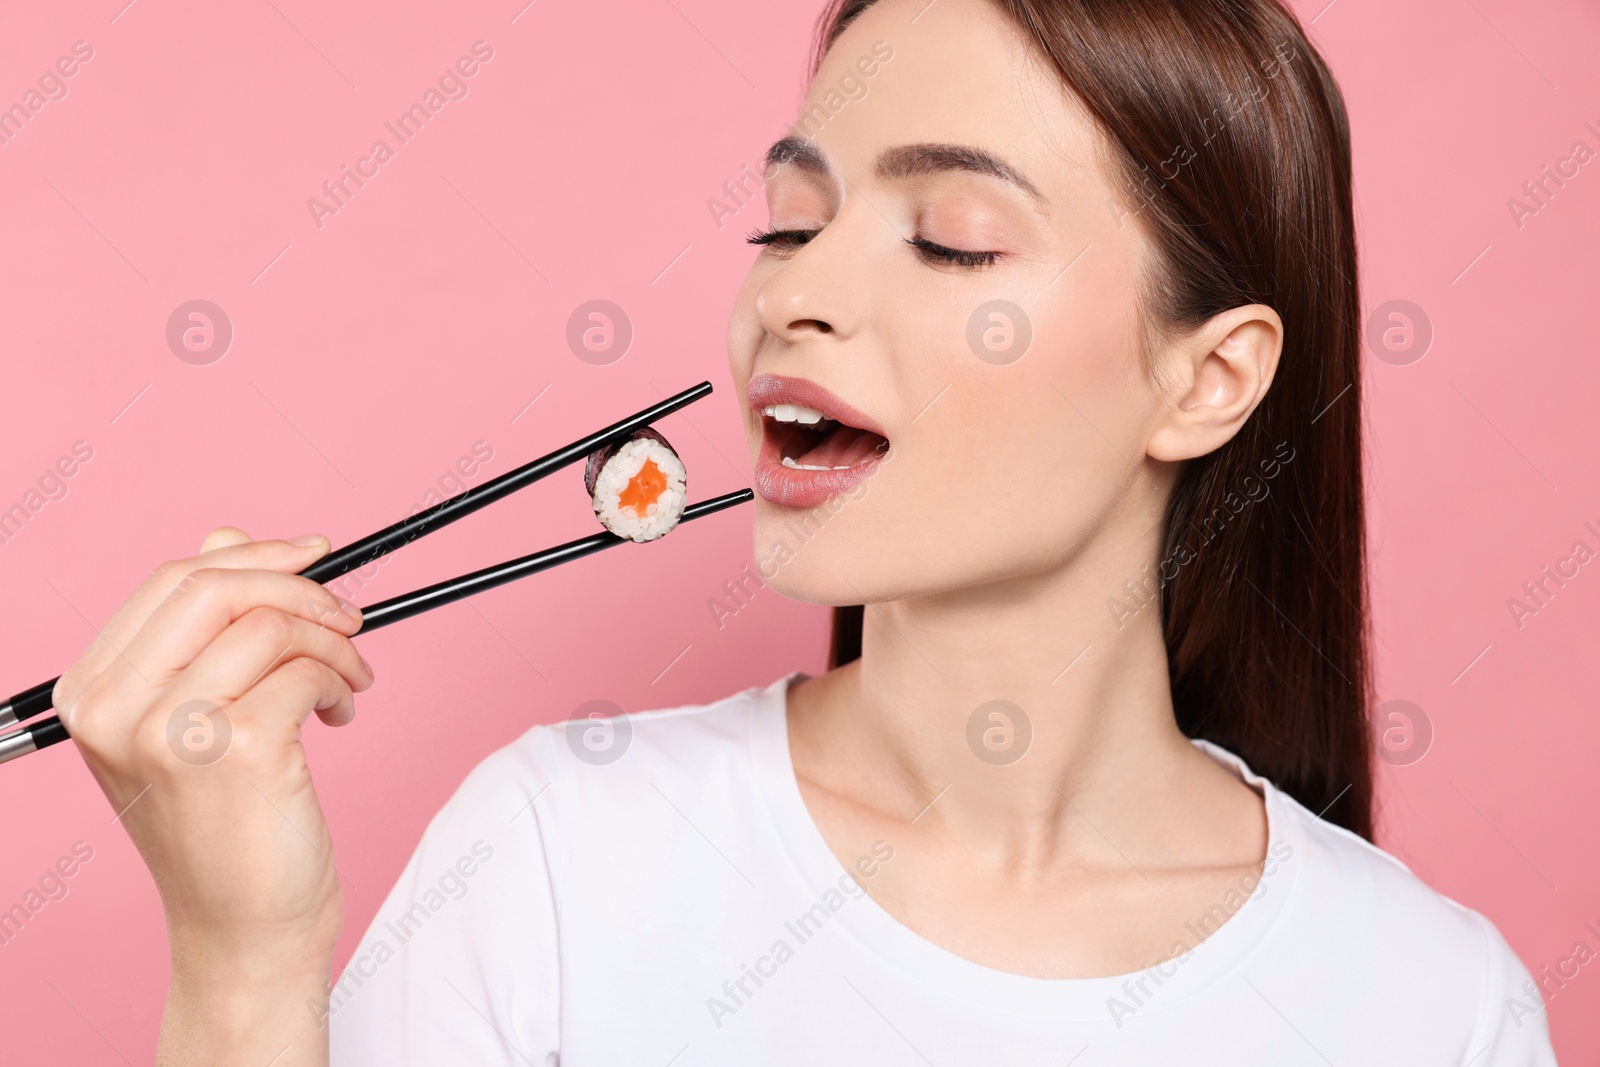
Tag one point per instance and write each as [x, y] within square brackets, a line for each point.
[643, 489]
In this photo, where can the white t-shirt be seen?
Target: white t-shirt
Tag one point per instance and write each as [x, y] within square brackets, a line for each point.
[655, 894]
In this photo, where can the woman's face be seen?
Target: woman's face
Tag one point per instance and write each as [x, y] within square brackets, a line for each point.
[951, 283]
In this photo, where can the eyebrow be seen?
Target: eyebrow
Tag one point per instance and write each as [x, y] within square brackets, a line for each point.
[906, 161]
[798, 152]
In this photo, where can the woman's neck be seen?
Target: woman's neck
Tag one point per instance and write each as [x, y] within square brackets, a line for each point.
[1086, 733]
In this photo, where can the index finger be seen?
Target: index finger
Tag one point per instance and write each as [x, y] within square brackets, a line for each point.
[112, 639]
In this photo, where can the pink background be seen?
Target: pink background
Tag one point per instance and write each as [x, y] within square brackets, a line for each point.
[371, 353]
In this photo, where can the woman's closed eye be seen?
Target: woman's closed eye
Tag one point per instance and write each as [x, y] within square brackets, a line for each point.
[783, 241]
[935, 252]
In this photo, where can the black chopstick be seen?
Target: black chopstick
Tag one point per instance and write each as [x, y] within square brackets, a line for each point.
[51, 731]
[36, 700]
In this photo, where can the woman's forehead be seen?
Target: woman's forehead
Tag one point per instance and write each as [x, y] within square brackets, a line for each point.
[961, 78]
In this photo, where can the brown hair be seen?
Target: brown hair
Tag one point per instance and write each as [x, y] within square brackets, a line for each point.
[1230, 140]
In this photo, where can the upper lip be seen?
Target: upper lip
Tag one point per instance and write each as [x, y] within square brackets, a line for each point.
[766, 390]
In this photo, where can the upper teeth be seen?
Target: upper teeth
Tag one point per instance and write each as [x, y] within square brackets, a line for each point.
[793, 464]
[793, 413]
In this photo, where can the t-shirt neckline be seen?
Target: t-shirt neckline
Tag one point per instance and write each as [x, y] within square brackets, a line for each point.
[950, 975]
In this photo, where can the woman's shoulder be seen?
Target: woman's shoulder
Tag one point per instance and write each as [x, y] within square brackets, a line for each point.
[1375, 887]
[1333, 900]
[1359, 895]
[600, 757]
[600, 733]
[1360, 904]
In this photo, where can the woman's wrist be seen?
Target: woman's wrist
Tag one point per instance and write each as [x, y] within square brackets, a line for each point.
[234, 1002]
[246, 1014]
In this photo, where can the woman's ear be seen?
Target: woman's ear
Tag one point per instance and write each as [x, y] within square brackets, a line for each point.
[1216, 376]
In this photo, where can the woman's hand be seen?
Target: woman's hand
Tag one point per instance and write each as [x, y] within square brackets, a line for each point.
[188, 710]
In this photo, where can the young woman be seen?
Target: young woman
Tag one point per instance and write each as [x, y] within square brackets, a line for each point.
[1049, 358]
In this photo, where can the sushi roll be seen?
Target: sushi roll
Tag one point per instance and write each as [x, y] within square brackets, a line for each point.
[638, 485]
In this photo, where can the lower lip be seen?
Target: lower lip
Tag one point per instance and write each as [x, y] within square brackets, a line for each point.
[791, 488]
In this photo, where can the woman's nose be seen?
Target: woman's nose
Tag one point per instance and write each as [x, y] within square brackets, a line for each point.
[823, 287]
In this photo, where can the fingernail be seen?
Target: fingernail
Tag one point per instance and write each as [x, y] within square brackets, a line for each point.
[349, 608]
[365, 664]
[307, 540]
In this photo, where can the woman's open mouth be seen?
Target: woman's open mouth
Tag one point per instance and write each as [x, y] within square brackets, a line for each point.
[814, 445]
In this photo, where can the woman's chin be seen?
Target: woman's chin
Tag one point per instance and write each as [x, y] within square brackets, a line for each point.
[819, 586]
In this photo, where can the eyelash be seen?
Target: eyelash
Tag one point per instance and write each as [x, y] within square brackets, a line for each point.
[781, 239]
[788, 240]
[960, 257]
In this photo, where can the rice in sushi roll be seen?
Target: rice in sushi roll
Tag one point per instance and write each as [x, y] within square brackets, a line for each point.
[638, 484]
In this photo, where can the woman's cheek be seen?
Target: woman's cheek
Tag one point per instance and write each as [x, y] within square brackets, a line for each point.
[744, 327]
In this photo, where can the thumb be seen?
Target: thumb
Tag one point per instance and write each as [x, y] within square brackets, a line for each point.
[224, 537]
